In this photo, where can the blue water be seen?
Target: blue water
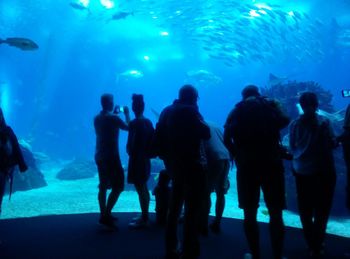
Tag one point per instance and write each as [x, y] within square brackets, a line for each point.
[51, 95]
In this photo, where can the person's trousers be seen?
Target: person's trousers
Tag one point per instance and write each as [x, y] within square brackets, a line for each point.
[315, 196]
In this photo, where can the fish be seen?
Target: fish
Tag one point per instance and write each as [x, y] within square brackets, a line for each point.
[203, 77]
[274, 80]
[131, 73]
[21, 43]
[78, 6]
[121, 15]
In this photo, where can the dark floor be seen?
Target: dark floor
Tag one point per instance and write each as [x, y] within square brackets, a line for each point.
[79, 236]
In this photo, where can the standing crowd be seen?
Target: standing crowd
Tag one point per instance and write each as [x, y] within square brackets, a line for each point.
[197, 157]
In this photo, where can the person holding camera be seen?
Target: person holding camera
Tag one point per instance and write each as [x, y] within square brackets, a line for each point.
[252, 135]
[311, 143]
[110, 171]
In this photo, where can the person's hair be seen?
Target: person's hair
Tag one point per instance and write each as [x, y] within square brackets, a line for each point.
[308, 99]
[138, 105]
[106, 100]
[249, 91]
[188, 94]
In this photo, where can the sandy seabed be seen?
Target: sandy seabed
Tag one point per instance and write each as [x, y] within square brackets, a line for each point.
[80, 196]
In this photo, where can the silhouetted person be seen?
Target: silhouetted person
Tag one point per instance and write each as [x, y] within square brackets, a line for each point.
[110, 170]
[311, 143]
[139, 151]
[252, 135]
[218, 160]
[345, 140]
[162, 196]
[179, 134]
[10, 155]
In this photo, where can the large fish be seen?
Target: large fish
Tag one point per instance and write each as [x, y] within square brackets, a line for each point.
[78, 6]
[21, 43]
[202, 77]
[128, 74]
[274, 80]
[121, 15]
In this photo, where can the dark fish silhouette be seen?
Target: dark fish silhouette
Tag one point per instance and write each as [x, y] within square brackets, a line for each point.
[21, 43]
[121, 15]
[275, 80]
[78, 6]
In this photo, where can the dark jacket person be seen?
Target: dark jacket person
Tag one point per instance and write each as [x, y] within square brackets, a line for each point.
[252, 135]
[179, 134]
[10, 155]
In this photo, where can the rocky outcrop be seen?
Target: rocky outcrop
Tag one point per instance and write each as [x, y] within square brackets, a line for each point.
[32, 178]
[78, 169]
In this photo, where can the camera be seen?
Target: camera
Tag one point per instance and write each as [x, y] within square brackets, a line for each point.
[118, 109]
[345, 92]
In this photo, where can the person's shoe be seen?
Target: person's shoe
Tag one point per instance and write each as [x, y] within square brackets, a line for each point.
[140, 223]
[215, 227]
[112, 217]
[107, 221]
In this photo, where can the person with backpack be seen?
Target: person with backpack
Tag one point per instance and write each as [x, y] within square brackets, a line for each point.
[10, 155]
[252, 135]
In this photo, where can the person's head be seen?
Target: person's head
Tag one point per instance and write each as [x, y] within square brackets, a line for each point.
[250, 91]
[2, 119]
[188, 94]
[107, 102]
[138, 105]
[309, 103]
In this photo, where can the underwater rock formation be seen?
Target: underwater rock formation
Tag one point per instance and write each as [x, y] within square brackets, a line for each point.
[288, 95]
[78, 169]
[32, 179]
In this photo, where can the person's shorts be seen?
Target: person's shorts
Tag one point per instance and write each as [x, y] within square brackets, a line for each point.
[111, 174]
[218, 176]
[270, 179]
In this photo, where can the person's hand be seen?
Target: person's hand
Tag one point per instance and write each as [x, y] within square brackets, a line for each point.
[126, 110]
[116, 109]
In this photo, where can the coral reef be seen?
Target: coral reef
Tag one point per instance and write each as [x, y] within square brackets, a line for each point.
[288, 94]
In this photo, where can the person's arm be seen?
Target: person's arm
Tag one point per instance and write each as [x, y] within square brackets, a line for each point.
[127, 115]
[330, 134]
[121, 124]
[17, 152]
